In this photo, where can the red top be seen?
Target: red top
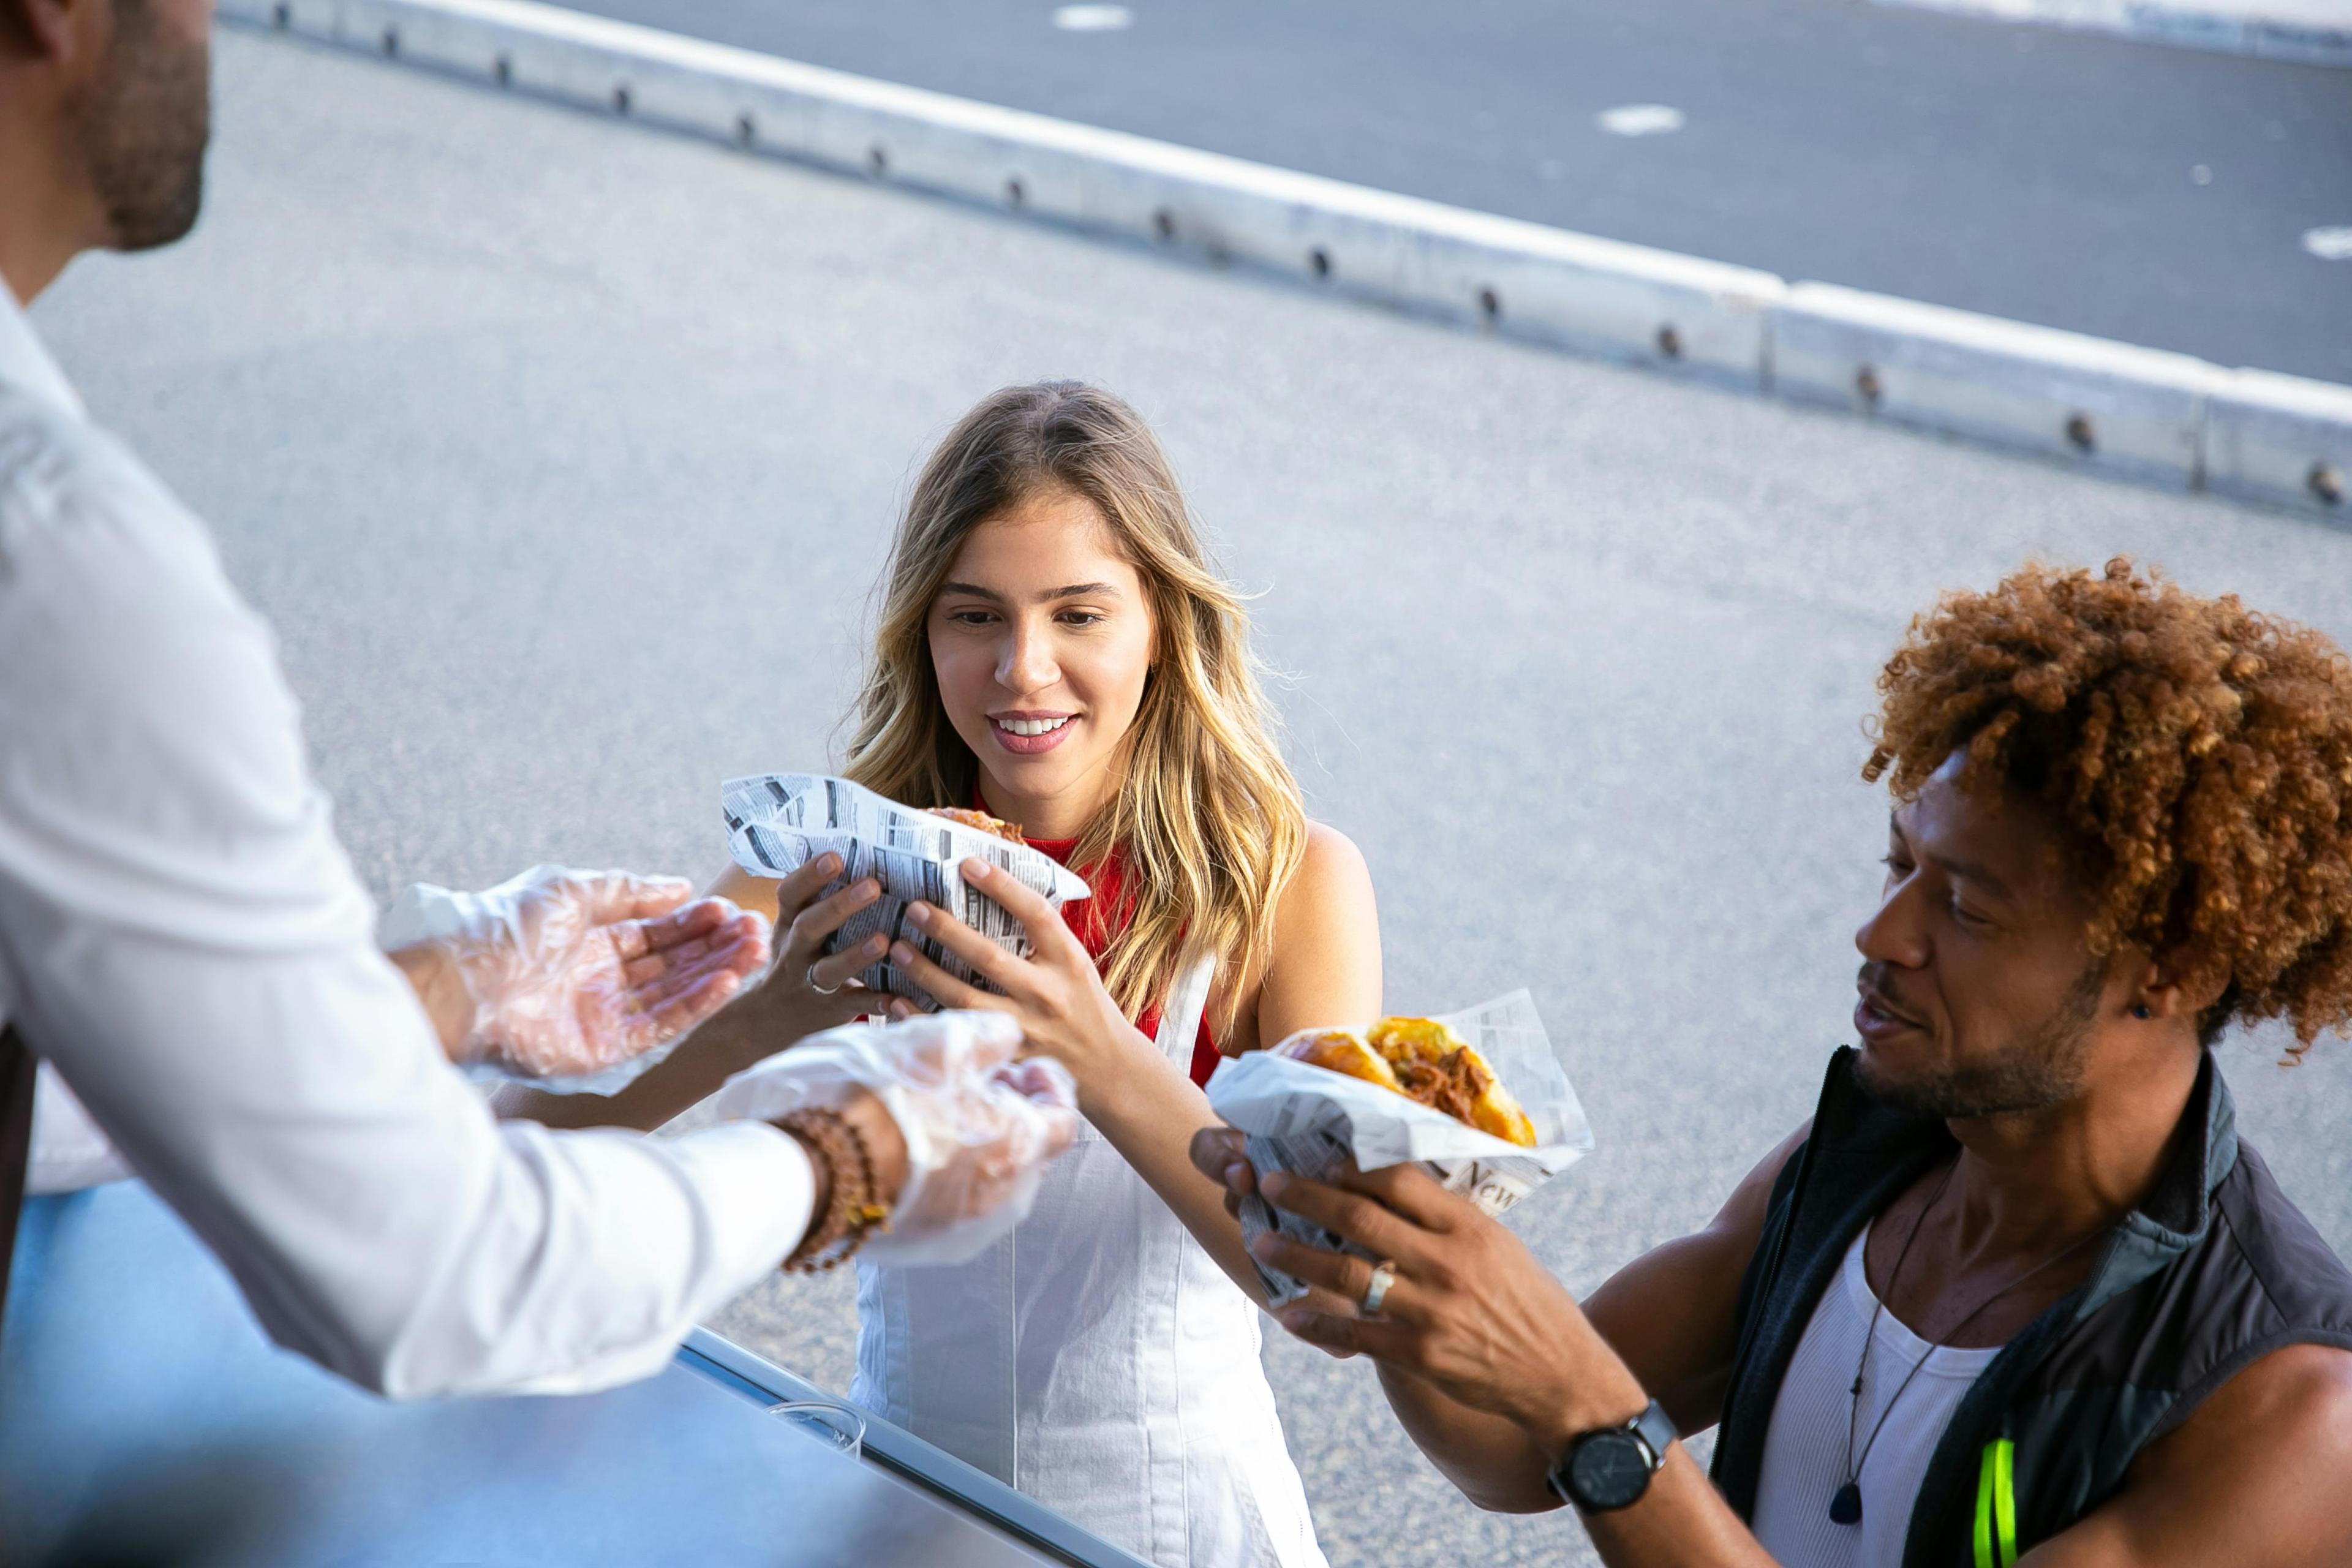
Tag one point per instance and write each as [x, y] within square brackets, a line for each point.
[1098, 919]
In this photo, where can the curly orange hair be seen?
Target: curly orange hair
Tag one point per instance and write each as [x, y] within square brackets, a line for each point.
[2197, 756]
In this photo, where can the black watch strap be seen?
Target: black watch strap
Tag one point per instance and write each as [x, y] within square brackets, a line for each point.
[1611, 1469]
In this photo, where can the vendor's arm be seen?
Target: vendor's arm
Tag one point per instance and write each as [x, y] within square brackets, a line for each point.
[1326, 969]
[182, 939]
[802, 992]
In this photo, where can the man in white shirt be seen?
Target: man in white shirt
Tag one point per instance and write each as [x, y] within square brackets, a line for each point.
[184, 942]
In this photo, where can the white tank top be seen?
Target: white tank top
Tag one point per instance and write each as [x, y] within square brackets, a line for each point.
[1804, 1449]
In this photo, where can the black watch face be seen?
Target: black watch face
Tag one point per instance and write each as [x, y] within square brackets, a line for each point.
[1608, 1470]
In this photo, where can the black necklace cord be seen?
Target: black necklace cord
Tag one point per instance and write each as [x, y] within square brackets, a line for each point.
[1854, 1467]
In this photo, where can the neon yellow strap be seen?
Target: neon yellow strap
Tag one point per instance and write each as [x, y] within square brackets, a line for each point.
[1984, 1510]
[2004, 1499]
[1996, 1532]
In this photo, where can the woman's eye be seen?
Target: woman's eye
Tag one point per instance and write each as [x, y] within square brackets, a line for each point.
[970, 617]
[1081, 617]
[1966, 916]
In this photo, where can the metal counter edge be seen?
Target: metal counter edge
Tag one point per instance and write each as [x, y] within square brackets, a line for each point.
[732, 1367]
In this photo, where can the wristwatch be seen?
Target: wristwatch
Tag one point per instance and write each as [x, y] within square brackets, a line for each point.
[1611, 1469]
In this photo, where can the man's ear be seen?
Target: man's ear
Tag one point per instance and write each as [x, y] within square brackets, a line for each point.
[2166, 991]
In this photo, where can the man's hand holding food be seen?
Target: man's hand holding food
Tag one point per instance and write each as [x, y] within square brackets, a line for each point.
[1462, 1304]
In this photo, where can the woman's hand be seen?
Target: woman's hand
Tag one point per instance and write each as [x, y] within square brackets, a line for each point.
[1469, 1309]
[805, 992]
[1056, 993]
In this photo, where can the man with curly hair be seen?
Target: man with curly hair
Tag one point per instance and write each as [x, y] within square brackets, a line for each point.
[2018, 1290]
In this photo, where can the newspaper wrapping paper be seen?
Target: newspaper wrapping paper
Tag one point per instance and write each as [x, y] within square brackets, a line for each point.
[777, 823]
[1310, 1120]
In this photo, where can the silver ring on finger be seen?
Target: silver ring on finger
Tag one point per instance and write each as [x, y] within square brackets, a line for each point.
[1383, 1276]
[820, 990]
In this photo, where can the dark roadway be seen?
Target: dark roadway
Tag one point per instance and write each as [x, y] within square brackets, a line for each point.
[2045, 176]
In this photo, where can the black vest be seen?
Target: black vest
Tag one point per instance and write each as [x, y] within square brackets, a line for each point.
[2214, 1270]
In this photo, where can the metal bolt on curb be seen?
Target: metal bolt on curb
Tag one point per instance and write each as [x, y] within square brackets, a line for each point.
[1318, 261]
[747, 131]
[1670, 342]
[2326, 482]
[621, 99]
[1866, 387]
[1015, 193]
[2082, 432]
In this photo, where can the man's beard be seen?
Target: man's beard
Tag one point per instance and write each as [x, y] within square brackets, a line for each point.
[142, 128]
[2040, 1067]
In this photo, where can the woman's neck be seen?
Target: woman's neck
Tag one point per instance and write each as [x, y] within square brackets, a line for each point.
[1054, 817]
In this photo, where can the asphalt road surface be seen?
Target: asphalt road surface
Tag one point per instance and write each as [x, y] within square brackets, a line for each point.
[2135, 191]
[563, 455]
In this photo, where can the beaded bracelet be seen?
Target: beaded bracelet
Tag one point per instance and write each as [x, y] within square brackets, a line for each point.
[850, 1209]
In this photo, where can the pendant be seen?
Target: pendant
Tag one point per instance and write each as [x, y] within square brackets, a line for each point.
[1846, 1507]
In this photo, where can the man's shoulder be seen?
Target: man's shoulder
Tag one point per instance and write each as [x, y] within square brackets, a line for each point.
[61, 475]
[2293, 1274]
[2251, 1476]
[86, 529]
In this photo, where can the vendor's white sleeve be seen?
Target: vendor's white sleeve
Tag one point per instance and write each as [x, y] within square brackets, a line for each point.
[71, 1151]
[182, 939]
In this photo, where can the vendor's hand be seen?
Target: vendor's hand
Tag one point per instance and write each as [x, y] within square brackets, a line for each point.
[559, 972]
[806, 991]
[885, 1146]
[1470, 1310]
[980, 1126]
[1056, 994]
[976, 1128]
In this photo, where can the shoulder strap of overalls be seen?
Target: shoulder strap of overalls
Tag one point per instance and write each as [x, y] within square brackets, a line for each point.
[17, 1065]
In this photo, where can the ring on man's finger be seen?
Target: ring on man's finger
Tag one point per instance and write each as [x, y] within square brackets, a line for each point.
[1377, 1291]
[820, 990]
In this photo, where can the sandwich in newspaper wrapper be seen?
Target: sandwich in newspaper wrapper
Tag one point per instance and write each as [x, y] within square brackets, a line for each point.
[777, 823]
[1310, 1120]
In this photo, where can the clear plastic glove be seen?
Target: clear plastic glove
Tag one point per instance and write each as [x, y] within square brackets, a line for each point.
[979, 1127]
[560, 974]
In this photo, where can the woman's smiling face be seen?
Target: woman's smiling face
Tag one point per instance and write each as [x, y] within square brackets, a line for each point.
[1042, 639]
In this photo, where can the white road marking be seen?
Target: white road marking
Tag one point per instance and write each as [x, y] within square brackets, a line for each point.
[2331, 244]
[1092, 18]
[1640, 120]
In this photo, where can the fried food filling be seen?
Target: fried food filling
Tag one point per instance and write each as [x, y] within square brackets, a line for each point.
[1423, 1060]
[984, 823]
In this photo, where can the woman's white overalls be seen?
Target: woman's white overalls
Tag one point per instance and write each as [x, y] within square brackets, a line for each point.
[1099, 1360]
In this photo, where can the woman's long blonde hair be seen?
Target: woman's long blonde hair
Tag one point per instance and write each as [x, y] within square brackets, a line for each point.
[1207, 817]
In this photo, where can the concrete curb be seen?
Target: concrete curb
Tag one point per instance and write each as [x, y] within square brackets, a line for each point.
[2224, 28]
[2135, 413]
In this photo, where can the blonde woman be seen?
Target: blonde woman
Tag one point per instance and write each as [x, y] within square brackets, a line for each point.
[1054, 649]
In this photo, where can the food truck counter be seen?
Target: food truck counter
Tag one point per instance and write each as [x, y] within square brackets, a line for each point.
[145, 1418]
